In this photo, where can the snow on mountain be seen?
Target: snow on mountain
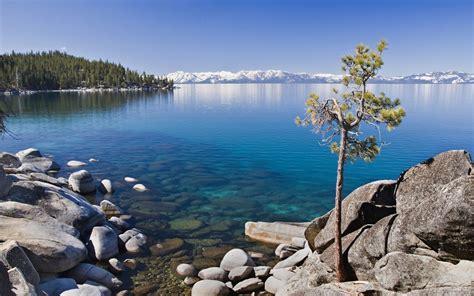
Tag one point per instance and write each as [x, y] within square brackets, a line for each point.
[279, 76]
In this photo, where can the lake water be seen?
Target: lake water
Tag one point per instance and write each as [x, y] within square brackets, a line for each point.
[225, 154]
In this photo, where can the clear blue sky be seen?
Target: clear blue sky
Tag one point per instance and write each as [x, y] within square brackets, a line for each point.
[210, 35]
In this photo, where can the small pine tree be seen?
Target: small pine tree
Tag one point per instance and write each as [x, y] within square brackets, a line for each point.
[342, 116]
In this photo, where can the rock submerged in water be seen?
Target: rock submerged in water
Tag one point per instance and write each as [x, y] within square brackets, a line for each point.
[75, 163]
[166, 247]
[140, 188]
[185, 224]
[82, 182]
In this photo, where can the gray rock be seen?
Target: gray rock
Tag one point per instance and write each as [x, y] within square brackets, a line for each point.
[28, 152]
[262, 271]
[298, 242]
[236, 258]
[48, 247]
[190, 280]
[213, 273]
[5, 183]
[82, 182]
[210, 288]
[127, 235]
[20, 285]
[103, 243]
[136, 243]
[14, 209]
[45, 178]
[38, 165]
[365, 205]
[88, 272]
[185, 269]
[337, 289]
[110, 209]
[285, 250]
[443, 291]
[119, 223]
[8, 160]
[116, 266]
[62, 204]
[13, 256]
[424, 180]
[294, 259]
[404, 272]
[272, 285]
[368, 248]
[105, 186]
[248, 285]
[103, 290]
[57, 286]
[283, 274]
[275, 232]
[6, 286]
[75, 163]
[240, 273]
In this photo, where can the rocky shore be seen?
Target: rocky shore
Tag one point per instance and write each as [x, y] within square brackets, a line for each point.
[412, 236]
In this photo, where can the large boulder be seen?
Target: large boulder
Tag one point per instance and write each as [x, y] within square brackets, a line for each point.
[28, 153]
[424, 180]
[13, 256]
[8, 160]
[315, 227]
[337, 289]
[87, 272]
[402, 272]
[103, 243]
[82, 182]
[38, 165]
[365, 205]
[14, 209]
[275, 232]
[49, 248]
[62, 204]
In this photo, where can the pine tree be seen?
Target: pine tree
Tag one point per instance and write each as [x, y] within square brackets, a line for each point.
[344, 116]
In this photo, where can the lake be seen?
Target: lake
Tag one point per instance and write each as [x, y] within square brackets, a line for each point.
[215, 156]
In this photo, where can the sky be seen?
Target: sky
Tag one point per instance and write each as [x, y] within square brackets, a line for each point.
[209, 35]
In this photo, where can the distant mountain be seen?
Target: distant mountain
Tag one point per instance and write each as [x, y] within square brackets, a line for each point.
[278, 76]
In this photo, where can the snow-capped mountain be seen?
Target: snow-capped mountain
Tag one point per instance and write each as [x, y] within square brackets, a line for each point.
[278, 76]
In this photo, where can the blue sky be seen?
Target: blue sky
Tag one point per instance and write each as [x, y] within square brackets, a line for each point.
[209, 35]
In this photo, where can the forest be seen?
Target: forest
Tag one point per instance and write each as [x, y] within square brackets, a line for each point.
[55, 70]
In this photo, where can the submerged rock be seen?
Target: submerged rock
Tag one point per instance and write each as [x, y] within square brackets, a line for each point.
[130, 180]
[166, 247]
[139, 187]
[75, 163]
[105, 186]
[185, 224]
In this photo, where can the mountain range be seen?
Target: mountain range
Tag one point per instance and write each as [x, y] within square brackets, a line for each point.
[279, 76]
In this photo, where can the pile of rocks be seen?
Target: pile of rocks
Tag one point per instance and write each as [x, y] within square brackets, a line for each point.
[239, 273]
[53, 237]
[413, 236]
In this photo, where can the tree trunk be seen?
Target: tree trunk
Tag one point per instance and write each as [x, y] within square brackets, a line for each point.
[340, 276]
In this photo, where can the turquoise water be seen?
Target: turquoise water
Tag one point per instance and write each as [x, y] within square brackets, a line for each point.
[225, 154]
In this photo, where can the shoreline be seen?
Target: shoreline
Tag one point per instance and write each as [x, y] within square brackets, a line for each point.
[86, 90]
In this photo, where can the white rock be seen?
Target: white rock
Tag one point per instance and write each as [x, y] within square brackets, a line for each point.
[298, 242]
[283, 274]
[139, 187]
[189, 280]
[236, 258]
[110, 209]
[85, 272]
[272, 285]
[185, 269]
[82, 182]
[240, 273]
[213, 273]
[285, 248]
[248, 285]
[93, 160]
[262, 271]
[210, 288]
[294, 259]
[105, 186]
[136, 243]
[130, 180]
[28, 152]
[103, 242]
[130, 263]
[75, 163]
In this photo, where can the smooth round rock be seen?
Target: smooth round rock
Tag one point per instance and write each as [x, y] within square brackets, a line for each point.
[136, 243]
[236, 258]
[103, 243]
[139, 187]
[82, 182]
[185, 224]
[272, 285]
[189, 280]
[185, 269]
[210, 288]
[213, 273]
[240, 273]
[248, 285]
[75, 163]
[105, 186]
[130, 180]
[93, 160]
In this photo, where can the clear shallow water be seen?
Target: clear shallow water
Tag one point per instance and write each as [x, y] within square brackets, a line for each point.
[226, 154]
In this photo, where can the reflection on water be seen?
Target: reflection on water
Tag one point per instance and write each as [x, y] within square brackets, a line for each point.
[215, 156]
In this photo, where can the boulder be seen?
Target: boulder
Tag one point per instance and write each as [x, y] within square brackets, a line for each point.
[75, 163]
[28, 152]
[424, 180]
[13, 256]
[57, 286]
[103, 243]
[275, 232]
[283, 274]
[38, 164]
[315, 227]
[49, 248]
[272, 285]
[85, 272]
[236, 258]
[14, 209]
[365, 205]
[19, 284]
[248, 285]
[403, 272]
[213, 273]
[8, 160]
[82, 182]
[294, 259]
[130, 180]
[368, 248]
[5, 183]
[45, 178]
[105, 186]
[185, 269]
[60, 203]
[210, 288]
[240, 273]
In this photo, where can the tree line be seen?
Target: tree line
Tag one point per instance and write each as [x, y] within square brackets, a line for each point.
[54, 70]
